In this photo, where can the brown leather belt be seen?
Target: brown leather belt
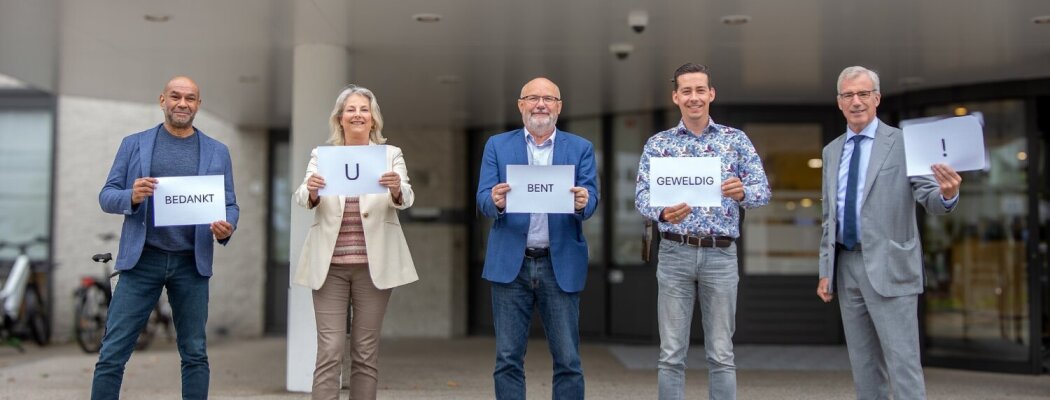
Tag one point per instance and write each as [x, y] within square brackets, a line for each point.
[698, 241]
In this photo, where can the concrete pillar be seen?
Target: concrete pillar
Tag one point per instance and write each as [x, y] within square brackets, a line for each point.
[319, 72]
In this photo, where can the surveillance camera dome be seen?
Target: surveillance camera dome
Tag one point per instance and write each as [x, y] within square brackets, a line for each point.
[621, 50]
[638, 20]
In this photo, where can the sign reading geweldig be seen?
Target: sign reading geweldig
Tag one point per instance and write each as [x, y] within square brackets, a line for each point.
[189, 200]
[696, 181]
[351, 170]
[541, 189]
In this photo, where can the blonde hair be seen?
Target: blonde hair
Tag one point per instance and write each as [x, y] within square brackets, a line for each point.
[375, 135]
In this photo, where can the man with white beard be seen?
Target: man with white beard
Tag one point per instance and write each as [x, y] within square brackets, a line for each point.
[537, 260]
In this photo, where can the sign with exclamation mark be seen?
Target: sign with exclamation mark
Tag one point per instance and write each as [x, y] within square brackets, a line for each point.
[926, 144]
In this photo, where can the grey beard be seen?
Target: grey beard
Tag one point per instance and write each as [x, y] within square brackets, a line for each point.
[537, 126]
[180, 125]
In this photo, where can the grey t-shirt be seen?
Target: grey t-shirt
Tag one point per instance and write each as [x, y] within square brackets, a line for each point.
[173, 156]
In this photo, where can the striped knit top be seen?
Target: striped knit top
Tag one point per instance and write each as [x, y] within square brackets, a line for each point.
[350, 244]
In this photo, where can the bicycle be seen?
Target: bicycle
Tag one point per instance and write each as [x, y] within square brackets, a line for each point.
[91, 309]
[22, 304]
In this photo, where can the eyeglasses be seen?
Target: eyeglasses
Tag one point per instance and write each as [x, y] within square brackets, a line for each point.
[536, 99]
[863, 95]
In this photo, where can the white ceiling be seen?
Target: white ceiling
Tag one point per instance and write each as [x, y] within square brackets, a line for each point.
[240, 51]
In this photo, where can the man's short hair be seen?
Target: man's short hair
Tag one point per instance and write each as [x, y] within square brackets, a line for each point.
[690, 68]
[855, 71]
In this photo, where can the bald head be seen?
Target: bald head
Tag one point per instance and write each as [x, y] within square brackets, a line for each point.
[540, 84]
[180, 101]
[184, 83]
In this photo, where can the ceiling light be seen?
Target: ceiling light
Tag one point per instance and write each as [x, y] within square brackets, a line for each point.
[736, 19]
[815, 163]
[1041, 20]
[157, 17]
[960, 111]
[427, 17]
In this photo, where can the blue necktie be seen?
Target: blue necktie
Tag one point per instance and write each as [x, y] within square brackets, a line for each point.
[849, 216]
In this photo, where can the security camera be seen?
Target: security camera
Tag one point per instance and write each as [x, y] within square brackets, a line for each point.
[638, 20]
[621, 50]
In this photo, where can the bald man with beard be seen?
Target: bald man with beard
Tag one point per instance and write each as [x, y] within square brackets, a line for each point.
[151, 257]
[537, 260]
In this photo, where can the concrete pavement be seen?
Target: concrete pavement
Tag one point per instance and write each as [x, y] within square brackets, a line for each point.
[447, 369]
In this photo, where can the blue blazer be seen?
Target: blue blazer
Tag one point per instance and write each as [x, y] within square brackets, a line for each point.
[133, 161]
[506, 246]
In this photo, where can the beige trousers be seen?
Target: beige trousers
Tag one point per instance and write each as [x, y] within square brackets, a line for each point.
[348, 285]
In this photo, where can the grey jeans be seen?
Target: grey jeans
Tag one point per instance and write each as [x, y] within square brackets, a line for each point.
[687, 274]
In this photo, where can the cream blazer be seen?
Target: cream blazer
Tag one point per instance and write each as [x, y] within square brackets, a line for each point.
[389, 261]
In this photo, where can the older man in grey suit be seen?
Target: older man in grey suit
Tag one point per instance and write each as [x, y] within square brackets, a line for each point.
[870, 252]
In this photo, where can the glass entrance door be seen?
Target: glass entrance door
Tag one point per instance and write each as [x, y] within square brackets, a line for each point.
[977, 304]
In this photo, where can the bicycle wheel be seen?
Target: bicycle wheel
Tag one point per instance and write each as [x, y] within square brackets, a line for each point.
[36, 316]
[91, 309]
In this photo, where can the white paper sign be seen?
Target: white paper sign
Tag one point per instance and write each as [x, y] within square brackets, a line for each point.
[351, 170]
[189, 200]
[541, 189]
[958, 142]
[696, 181]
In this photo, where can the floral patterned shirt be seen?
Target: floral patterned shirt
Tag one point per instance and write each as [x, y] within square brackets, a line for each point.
[739, 159]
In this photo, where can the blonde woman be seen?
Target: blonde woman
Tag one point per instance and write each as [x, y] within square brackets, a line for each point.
[355, 252]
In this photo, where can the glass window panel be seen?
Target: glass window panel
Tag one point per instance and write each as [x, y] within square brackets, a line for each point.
[591, 129]
[25, 178]
[280, 202]
[630, 132]
[783, 237]
[976, 287]
[483, 224]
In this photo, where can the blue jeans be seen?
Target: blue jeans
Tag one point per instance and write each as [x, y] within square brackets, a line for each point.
[512, 305]
[136, 295]
[683, 272]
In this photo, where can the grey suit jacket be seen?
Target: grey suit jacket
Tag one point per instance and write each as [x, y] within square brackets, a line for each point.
[889, 234]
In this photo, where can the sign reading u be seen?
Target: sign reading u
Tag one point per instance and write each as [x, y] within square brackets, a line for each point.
[351, 170]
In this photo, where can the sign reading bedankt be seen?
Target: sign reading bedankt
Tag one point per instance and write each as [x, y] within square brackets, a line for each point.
[189, 200]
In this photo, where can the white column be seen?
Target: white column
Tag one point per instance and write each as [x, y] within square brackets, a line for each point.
[319, 72]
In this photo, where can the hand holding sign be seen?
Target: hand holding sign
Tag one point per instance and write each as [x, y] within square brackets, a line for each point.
[499, 195]
[676, 214]
[141, 189]
[313, 184]
[947, 179]
[391, 180]
[580, 197]
[221, 229]
[733, 189]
